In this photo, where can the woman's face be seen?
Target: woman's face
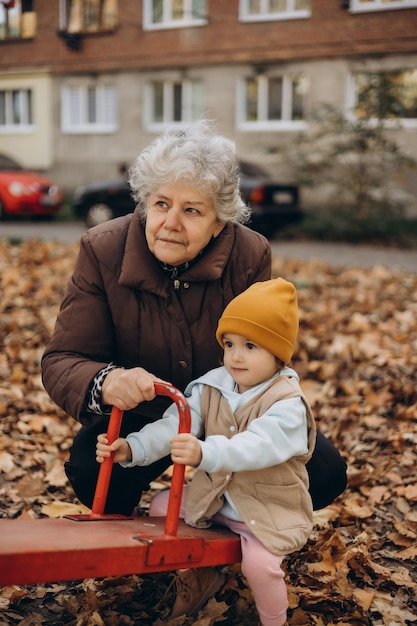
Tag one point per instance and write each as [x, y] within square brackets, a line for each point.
[180, 221]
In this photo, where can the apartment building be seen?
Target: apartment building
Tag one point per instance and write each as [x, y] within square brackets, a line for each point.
[85, 84]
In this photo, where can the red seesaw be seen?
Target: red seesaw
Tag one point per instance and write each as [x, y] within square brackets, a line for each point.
[51, 550]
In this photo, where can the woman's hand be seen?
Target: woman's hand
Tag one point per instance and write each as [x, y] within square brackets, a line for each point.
[186, 449]
[120, 447]
[125, 389]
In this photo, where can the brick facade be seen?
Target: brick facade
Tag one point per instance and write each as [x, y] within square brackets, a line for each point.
[327, 46]
[330, 32]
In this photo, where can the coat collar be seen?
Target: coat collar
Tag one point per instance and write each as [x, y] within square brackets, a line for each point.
[141, 270]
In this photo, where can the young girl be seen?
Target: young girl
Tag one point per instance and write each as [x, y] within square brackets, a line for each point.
[258, 432]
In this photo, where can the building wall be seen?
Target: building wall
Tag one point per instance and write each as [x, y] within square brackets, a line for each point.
[327, 46]
[79, 159]
[32, 146]
[330, 32]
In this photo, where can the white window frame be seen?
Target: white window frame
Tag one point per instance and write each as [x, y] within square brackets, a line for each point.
[405, 122]
[63, 15]
[25, 125]
[26, 30]
[265, 14]
[263, 123]
[188, 105]
[103, 125]
[167, 22]
[356, 6]
[64, 20]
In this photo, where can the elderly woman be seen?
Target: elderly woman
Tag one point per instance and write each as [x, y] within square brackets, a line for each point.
[144, 301]
[145, 297]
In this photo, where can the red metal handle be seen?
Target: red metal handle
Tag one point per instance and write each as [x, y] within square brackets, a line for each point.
[106, 467]
[177, 481]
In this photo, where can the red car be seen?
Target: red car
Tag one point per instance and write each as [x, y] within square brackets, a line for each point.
[26, 193]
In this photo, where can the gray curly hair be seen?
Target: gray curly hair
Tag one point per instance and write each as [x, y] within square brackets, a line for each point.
[198, 156]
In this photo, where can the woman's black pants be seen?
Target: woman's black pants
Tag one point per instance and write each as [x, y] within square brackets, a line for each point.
[326, 469]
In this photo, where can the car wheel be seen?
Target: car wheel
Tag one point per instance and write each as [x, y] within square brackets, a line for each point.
[98, 214]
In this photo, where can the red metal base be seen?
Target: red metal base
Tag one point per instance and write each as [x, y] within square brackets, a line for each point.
[97, 517]
[49, 550]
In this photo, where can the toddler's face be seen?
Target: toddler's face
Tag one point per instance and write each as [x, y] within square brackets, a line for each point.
[248, 363]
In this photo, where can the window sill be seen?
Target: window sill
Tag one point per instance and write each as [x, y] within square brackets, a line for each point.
[174, 25]
[275, 17]
[282, 125]
[17, 39]
[27, 129]
[359, 8]
[89, 130]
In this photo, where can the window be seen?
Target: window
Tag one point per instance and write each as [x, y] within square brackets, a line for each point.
[273, 101]
[389, 95]
[17, 19]
[170, 102]
[173, 13]
[87, 16]
[16, 110]
[88, 109]
[262, 10]
[357, 6]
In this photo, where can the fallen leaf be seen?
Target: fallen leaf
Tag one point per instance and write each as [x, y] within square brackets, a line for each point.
[356, 357]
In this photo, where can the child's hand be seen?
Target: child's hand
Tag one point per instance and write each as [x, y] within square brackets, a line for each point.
[120, 447]
[186, 449]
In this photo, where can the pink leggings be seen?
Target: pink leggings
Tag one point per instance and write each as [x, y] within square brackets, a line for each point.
[261, 568]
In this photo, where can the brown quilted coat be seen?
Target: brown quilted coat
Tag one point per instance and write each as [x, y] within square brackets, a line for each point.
[121, 307]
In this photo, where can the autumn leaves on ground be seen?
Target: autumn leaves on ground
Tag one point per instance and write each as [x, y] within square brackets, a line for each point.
[357, 358]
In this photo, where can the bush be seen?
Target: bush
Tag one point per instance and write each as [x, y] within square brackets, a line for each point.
[356, 164]
[343, 225]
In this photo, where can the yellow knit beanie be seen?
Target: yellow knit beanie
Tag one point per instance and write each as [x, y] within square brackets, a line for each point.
[267, 314]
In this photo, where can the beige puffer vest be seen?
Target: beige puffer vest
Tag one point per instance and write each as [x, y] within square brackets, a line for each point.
[274, 502]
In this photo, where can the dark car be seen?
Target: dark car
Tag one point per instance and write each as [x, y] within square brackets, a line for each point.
[273, 204]
[103, 200]
[26, 193]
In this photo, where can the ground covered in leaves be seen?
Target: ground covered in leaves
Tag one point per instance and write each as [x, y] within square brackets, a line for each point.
[357, 357]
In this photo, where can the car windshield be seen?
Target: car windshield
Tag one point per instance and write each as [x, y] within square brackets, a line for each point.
[251, 170]
[6, 163]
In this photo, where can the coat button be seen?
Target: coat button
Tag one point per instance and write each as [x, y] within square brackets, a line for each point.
[252, 522]
[183, 364]
[232, 429]
[186, 285]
